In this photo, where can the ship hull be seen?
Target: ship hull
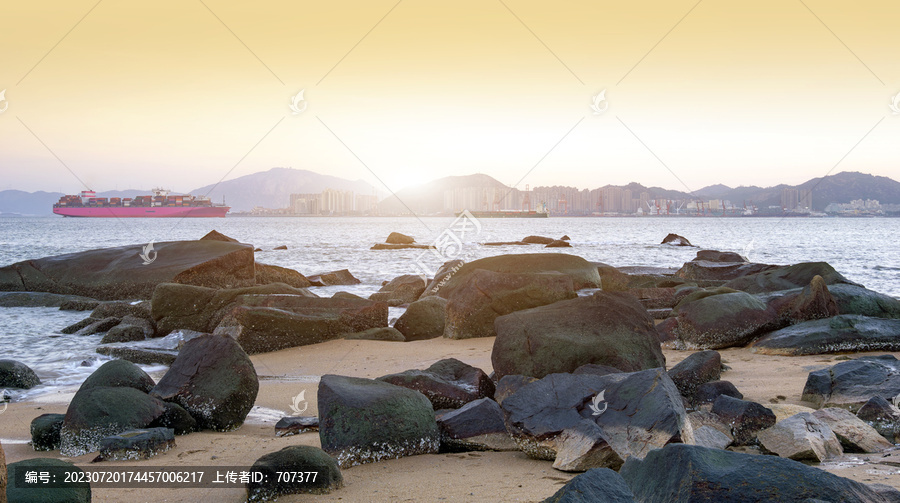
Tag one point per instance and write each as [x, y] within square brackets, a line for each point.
[145, 212]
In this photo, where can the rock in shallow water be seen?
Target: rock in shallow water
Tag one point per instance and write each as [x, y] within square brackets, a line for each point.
[15, 374]
[366, 420]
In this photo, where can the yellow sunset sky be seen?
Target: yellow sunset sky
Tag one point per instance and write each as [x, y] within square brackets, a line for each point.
[181, 93]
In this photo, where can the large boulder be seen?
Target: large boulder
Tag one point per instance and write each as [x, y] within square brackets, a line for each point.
[854, 299]
[14, 374]
[850, 384]
[484, 295]
[853, 433]
[130, 329]
[695, 370]
[215, 235]
[608, 328]
[690, 473]
[882, 416]
[788, 277]
[214, 380]
[448, 383]
[98, 412]
[721, 321]
[637, 411]
[801, 437]
[77, 492]
[423, 319]
[119, 373]
[705, 270]
[395, 238]
[299, 460]
[365, 420]
[599, 485]
[339, 277]
[45, 431]
[266, 274]
[844, 333]
[583, 447]
[612, 279]
[120, 273]
[400, 290]
[719, 256]
[476, 426]
[453, 274]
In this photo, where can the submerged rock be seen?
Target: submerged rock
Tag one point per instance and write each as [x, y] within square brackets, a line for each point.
[395, 238]
[675, 240]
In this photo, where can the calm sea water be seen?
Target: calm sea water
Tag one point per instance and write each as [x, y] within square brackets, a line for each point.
[864, 250]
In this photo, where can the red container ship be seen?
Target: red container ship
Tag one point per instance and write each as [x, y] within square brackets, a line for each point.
[159, 205]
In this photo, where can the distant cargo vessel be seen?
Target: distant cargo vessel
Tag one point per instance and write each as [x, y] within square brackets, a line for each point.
[159, 205]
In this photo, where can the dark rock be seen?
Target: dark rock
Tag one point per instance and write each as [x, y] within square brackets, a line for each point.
[395, 238]
[584, 446]
[201, 309]
[475, 304]
[745, 418]
[75, 327]
[347, 295]
[142, 356]
[119, 273]
[788, 277]
[266, 274]
[119, 373]
[722, 320]
[98, 412]
[98, 326]
[879, 414]
[695, 370]
[476, 426]
[637, 411]
[605, 328]
[565, 238]
[611, 279]
[294, 459]
[176, 418]
[390, 334]
[706, 270]
[509, 384]
[839, 334]
[341, 277]
[280, 247]
[853, 433]
[121, 309]
[423, 319]
[801, 437]
[257, 249]
[504, 243]
[599, 485]
[719, 256]
[537, 240]
[365, 420]
[448, 383]
[675, 240]
[45, 431]
[43, 299]
[654, 298]
[853, 299]
[406, 289]
[212, 379]
[293, 425]
[850, 384]
[454, 274]
[688, 473]
[76, 492]
[595, 369]
[814, 302]
[137, 444]
[709, 392]
[130, 329]
[215, 235]
[558, 243]
[15, 374]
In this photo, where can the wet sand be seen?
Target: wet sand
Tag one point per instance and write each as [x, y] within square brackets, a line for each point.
[481, 476]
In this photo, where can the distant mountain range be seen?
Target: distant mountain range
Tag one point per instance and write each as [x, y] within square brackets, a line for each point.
[272, 189]
[269, 189]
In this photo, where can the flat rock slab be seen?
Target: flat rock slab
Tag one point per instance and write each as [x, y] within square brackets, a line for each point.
[476, 426]
[801, 437]
[850, 384]
[120, 273]
[843, 333]
[137, 444]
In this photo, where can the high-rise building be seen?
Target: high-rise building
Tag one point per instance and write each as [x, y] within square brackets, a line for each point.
[805, 199]
[790, 198]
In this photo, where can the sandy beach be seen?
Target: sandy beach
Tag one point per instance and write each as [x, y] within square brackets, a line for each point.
[475, 476]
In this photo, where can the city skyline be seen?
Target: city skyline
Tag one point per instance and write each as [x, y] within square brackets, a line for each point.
[105, 95]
